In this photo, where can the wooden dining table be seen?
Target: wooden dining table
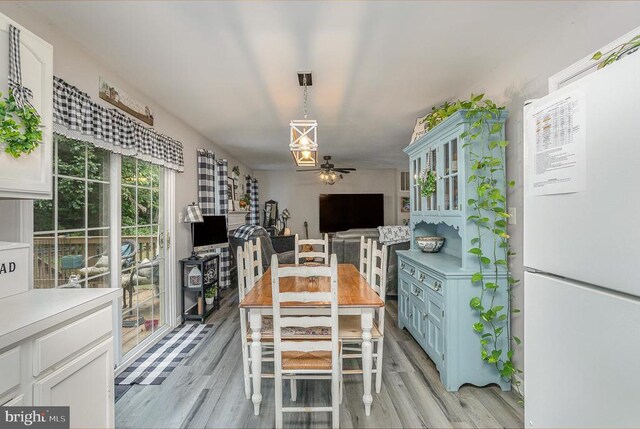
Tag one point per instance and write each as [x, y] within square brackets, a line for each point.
[355, 297]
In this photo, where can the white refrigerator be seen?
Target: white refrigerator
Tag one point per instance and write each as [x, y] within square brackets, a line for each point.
[582, 252]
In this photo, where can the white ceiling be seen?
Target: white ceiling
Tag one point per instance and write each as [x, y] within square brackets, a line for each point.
[229, 68]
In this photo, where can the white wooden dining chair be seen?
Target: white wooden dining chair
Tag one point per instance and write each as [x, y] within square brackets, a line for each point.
[309, 251]
[245, 284]
[255, 254]
[365, 258]
[350, 327]
[309, 355]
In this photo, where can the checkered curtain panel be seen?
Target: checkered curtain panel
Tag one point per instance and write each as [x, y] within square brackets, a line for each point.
[207, 182]
[76, 116]
[21, 94]
[254, 214]
[222, 208]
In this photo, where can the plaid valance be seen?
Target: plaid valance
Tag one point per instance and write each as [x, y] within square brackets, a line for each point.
[76, 116]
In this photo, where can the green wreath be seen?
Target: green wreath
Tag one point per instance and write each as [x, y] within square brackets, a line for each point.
[427, 183]
[23, 136]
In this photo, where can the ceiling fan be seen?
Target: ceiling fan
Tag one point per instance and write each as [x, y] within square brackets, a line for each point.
[329, 173]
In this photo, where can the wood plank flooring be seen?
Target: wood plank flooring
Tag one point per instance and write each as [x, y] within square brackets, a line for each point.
[207, 390]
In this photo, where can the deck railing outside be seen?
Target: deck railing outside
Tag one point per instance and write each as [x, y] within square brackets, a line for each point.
[71, 257]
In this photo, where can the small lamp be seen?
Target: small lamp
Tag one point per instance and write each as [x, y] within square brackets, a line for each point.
[194, 215]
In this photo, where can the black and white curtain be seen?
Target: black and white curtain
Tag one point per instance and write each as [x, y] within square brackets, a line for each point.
[222, 208]
[21, 94]
[76, 116]
[207, 182]
[213, 199]
[254, 207]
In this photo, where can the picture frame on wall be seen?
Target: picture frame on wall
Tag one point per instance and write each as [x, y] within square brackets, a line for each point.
[231, 190]
[405, 204]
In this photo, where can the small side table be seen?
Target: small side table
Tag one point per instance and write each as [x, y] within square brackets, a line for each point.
[209, 267]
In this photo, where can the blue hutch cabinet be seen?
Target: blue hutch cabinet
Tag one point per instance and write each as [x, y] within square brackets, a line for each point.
[434, 289]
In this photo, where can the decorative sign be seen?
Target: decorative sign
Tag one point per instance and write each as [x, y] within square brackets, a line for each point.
[556, 140]
[122, 101]
[419, 130]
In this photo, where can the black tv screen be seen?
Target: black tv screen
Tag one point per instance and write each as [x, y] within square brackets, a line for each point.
[339, 212]
[211, 232]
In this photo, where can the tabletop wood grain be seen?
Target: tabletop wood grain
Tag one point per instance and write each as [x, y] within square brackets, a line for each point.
[353, 290]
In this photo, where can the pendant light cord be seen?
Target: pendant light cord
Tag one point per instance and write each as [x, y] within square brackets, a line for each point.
[304, 84]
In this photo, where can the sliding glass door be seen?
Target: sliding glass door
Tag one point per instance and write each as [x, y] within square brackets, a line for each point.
[142, 252]
[98, 194]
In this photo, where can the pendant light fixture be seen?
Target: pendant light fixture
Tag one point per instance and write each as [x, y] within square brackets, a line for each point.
[304, 132]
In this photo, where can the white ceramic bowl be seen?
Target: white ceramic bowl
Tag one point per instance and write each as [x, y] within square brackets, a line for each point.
[430, 244]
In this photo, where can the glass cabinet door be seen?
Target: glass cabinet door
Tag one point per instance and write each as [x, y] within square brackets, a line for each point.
[450, 175]
[432, 165]
[416, 200]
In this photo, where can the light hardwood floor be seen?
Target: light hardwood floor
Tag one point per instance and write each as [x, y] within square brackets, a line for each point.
[206, 390]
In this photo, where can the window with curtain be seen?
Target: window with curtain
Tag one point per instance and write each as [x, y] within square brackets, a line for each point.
[71, 231]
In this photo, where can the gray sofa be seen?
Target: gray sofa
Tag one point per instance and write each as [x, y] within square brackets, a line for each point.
[267, 249]
[346, 245]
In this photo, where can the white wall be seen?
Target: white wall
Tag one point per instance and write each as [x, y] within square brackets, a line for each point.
[526, 77]
[80, 69]
[299, 193]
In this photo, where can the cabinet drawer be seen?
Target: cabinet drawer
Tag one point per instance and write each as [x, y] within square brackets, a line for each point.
[433, 283]
[408, 268]
[418, 291]
[58, 345]
[9, 370]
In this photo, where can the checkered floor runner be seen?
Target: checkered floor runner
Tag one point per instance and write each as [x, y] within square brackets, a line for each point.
[158, 362]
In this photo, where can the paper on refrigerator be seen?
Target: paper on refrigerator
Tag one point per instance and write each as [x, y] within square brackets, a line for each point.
[556, 140]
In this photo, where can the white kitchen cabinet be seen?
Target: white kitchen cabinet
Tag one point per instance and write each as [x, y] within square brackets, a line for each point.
[85, 385]
[56, 349]
[30, 176]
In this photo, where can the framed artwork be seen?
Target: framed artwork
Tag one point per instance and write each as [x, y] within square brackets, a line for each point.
[405, 204]
[231, 189]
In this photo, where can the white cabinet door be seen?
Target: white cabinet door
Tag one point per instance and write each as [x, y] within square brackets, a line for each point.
[85, 385]
[18, 401]
[29, 176]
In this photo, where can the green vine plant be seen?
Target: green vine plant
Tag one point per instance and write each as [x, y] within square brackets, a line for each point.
[490, 217]
[613, 55]
[21, 137]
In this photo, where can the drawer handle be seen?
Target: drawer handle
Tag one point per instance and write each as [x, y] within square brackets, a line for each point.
[424, 316]
[422, 277]
[437, 286]
[418, 292]
[413, 271]
[402, 265]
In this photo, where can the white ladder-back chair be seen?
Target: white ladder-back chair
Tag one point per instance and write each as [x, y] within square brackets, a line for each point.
[255, 253]
[245, 284]
[311, 355]
[350, 331]
[365, 258]
[313, 253]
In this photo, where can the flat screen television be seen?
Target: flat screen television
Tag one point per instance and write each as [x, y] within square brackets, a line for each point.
[339, 212]
[210, 234]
